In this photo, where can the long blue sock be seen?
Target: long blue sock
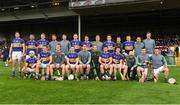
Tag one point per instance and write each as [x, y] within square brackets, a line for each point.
[13, 73]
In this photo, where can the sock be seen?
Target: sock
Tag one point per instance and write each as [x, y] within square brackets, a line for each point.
[36, 76]
[87, 76]
[47, 76]
[166, 79]
[13, 73]
[19, 73]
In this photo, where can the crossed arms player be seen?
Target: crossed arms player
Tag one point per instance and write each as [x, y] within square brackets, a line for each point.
[84, 60]
[72, 63]
[58, 62]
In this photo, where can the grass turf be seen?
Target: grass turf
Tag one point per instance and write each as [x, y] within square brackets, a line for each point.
[14, 91]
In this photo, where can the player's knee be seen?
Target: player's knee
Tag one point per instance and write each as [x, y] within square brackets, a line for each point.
[88, 66]
[101, 66]
[77, 67]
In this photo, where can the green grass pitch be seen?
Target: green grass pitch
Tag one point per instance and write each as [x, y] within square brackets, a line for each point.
[14, 91]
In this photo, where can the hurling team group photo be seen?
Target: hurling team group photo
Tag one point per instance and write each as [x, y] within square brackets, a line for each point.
[89, 52]
[41, 59]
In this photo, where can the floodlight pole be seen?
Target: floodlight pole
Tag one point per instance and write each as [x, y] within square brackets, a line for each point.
[79, 26]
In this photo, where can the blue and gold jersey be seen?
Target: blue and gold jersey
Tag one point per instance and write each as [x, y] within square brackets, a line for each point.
[41, 43]
[105, 57]
[31, 62]
[45, 57]
[88, 44]
[117, 57]
[128, 46]
[31, 46]
[110, 45]
[17, 44]
[76, 44]
[72, 57]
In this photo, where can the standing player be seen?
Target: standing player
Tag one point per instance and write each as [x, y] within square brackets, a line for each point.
[159, 65]
[142, 61]
[76, 43]
[149, 44]
[84, 60]
[45, 60]
[87, 43]
[30, 64]
[105, 61]
[65, 44]
[118, 42]
[118, 64]
[17, 50]
[138, 46]
[58, 62]
[128, 45]
[109, 44]
[42, 42]
[72, 63]
[98, 43]
[53, 43]
[31, 45]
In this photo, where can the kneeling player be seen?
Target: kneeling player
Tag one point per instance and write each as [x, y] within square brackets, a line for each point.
[72, 63]
[117, 59]
[45, 60]
[58, 62]
[159, 65]
[84, 60]
[30, 64]
[142, 62]
[105, 61]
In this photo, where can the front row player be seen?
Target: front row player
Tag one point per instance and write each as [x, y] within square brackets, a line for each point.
[58, 62]
[72, 63]
[159, 65]
[43, 64]
[30, 64]
[118, 64]
[142, 61]
[105, 61]
[84, 60]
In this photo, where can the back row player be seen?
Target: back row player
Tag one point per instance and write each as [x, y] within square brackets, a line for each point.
[18, 46]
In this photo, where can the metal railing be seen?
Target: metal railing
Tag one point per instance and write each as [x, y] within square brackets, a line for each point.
[85, 3]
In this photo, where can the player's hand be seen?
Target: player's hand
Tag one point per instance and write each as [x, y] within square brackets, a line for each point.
[84, 65]
[106, 65]
[9, 56]
[144, 63]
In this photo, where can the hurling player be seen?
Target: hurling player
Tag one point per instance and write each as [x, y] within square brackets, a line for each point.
[16, 52]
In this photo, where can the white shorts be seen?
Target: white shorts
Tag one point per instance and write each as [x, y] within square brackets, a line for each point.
[30, 70]
[150, 55]
[16, 55]
[72, 66]
[43, 66]
[145, 70]
[27, 57]
[158, 70]
[117, 65]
